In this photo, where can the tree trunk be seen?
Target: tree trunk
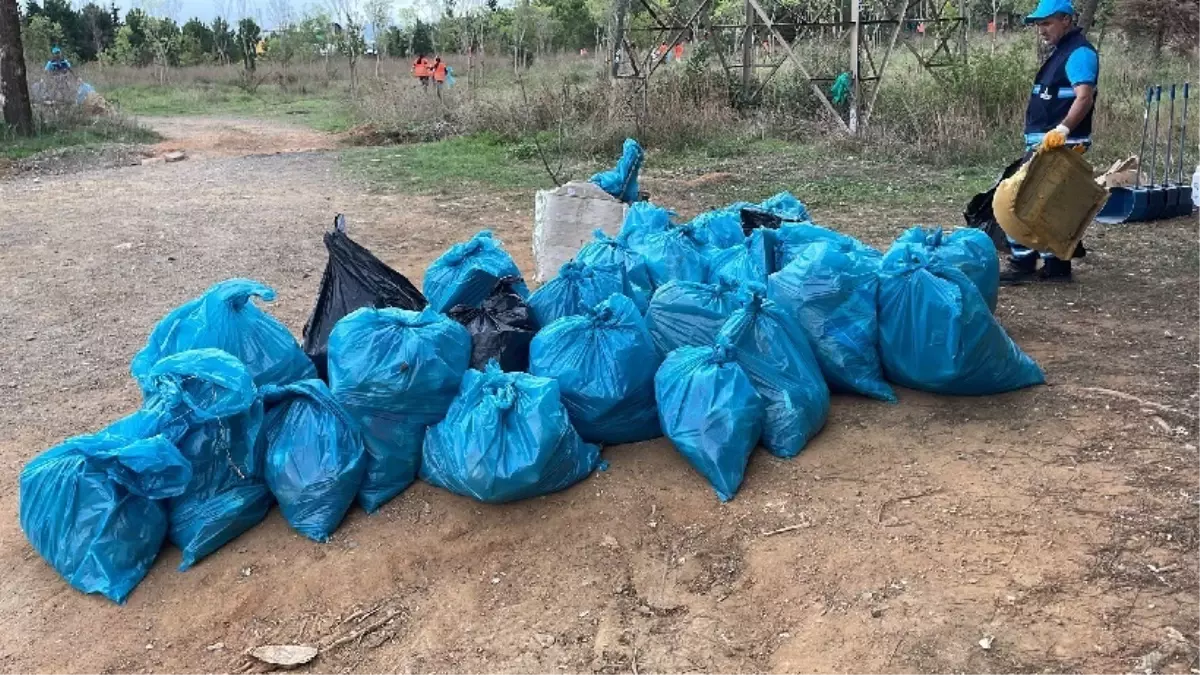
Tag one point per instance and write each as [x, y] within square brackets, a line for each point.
[14, 88]
[1087, 14]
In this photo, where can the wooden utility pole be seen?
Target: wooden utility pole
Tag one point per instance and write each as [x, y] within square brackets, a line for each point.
[14, 87]
[748, 54]
[855, 36]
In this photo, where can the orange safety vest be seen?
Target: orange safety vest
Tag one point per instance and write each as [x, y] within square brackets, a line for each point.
[439, 71]
[421, 68]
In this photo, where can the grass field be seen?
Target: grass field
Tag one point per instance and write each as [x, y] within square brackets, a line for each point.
[50, 136]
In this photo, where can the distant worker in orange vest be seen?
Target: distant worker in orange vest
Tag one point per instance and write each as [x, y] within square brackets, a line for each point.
[422, 70]
[439, 74]
[678, 52]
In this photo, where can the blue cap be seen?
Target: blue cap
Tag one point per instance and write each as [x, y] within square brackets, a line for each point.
[1048, 8]
[55, 50]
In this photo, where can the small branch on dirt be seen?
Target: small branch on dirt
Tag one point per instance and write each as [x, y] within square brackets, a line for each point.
[894, 650]
[361, 633]
[1136, 399]
[537, 145]
[886, 502]
[789, 528]
[634, 659]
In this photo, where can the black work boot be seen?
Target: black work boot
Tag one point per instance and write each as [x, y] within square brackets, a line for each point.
[1054, 269]
[1019, 270]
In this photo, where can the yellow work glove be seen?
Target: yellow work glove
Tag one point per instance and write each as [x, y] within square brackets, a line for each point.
[1057, 138]
[1081, 149]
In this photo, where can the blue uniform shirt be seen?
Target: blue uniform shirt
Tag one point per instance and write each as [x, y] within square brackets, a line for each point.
[1083, 67]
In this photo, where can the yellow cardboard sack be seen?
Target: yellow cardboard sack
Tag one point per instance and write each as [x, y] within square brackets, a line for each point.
[1048, 203]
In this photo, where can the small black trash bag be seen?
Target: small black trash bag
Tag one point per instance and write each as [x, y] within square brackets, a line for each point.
[501, 327]
[353, 278]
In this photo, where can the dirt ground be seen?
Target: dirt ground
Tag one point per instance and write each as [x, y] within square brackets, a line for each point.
[1052, 529]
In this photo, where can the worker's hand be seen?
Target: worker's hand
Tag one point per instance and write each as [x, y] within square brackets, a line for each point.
[1057, 138]
[1080, 149]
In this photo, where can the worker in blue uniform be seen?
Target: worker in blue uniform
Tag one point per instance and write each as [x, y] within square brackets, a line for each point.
[1059, 114]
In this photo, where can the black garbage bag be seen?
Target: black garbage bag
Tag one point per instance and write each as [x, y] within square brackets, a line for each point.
[501, 327]
[353, 278]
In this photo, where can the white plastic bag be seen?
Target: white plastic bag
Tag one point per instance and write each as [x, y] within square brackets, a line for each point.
[564, 220]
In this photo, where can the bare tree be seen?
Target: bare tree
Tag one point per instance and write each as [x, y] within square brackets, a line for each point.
[14, 88]
[379, 13]
[348, 15]
[1087, 14]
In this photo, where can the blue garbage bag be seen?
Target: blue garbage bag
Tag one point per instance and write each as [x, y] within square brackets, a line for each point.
[606, 251]
[395, 373]
[724, 227]
[604, 363]
[82, 92]
[772, 349]
[967, 248]
[92, 507]
[831, 290]
[622, 181]
[710, 411]
[468, 271]
[937, 334]
[205, 403]
[792, 238]
[785, 206]
[225, 318]
[680, 252]
[688, 313]
[507, 437]
[576, 289]
[642, 220]
[315, 456]
[752, 261]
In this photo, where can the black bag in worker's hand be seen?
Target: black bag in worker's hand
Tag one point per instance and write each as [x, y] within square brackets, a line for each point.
[501, 327]
[353, 278]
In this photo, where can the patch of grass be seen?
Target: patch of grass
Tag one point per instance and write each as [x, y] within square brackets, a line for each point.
[51, 136]
[324, 112]
[446, 166]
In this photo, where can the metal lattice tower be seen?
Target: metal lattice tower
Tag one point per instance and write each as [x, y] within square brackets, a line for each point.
[770, 36]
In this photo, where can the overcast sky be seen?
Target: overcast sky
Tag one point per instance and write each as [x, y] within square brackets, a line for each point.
[264, 11]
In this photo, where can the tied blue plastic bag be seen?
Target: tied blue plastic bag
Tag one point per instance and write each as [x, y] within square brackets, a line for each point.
[772, 349]
[622, 180]
[205, 402]
[576, 289]
[642, 220]
[709, 409]
[606, 251]
[225, 318]
[690, 314]
[507, 437]
[724, 227]
[92, 508]
[604, 364]
[752, 261]
[467, 273]
[792, 238]
[786, 206]
[831, 290]
[937, 334]
[680, 252]
[968, 249]
[395, 372]
[315, 457]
